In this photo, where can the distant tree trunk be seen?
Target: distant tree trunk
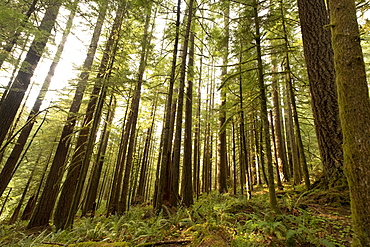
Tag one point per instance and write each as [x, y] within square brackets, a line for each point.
[134, 111]
[187, 178]
[45, 206]
[222, 143]
[196, 157]
[143, 180]
[12, 160]
[354, 112]
[244, 162]
[233, 148]
[10, 105]
[302, 157]
[320, 66]
[280, 148]
[92, 191]
[15, 215]
[264, 113]
[166, 150]
[278, 179]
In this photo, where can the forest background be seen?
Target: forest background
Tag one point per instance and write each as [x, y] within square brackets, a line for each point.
[107, 105]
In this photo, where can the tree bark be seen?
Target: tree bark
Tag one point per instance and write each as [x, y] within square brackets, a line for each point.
[320, 67]
[354, 112]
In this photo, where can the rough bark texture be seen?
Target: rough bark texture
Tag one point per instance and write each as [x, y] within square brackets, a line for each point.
[354, 110]
[320, 66]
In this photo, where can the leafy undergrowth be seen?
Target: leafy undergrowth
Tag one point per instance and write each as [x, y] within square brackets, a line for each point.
[310, 219]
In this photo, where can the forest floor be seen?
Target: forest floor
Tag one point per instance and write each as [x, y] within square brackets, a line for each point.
[314, 218]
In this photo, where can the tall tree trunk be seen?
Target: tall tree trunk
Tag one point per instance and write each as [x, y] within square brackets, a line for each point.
[222, 144]
[175, 166]
[166, 150]
[10, 105]
[264, 113]
[320, 66]
[187, 178]
[302, 157]
[134, 111]
[281, 156]
[354, 112]
[278, 179]
[45, 206]
[90, 202]
[196, 157]
[244, 163]
[143, 181]
[12, 160]
[72, 186]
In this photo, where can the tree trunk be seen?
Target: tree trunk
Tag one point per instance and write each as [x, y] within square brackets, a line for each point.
[320, 66]
[264, 113]
[90, 202]
[222, 144]
[10, 105]
[187, 178]
[45, 206]
[134, 111]
[86, 137]
[166, 151]
[354, 112]
[12, 160]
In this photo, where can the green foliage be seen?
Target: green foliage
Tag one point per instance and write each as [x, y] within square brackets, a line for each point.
[214, 220]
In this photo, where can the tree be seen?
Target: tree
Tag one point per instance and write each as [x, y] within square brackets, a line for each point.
[12, 160]
[12, 101]
[264, 113]
[45, 206]
[222, 144]
[354, 112]
[166, 131]
[320, 66]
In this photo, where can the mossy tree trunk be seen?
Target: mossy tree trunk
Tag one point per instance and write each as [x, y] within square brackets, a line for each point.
[354, 112]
